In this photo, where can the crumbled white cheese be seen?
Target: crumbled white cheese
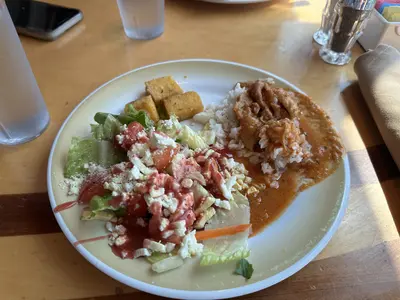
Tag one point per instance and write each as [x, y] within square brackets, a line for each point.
[140, 165]
[128, 186]
[74, 185]
[164, 222]
[142, 151]
[166, 234]
[187, 152]
[187, 183]
[120, 138]
[222, 204]
[166, 201]
[189, 246]
[154, 246]
[142, 252]
[180, 231]
[156, 192]
[179, 224]
[169, 247]
[121, 240]
[226, 188]
[160, 141]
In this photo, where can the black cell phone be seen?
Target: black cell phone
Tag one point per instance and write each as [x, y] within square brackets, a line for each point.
[42, 20]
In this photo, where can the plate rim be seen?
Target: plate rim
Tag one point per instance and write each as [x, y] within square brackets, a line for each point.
[190, 294]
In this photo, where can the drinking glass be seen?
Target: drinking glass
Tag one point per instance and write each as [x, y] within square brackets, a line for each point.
[142, 19]
[23, 113]
[349, 20]
[322, 35]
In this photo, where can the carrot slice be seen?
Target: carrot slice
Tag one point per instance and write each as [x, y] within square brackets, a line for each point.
[214, 233]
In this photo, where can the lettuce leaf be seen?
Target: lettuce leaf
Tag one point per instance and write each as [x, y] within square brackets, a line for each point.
[106, 131]
[139, 115]
[181, 133]
[130, 115]
[211, 258]
[167, 264]
[189, 137]
[244, 268]
[158, 256]
[89, 150]
[100, 209]
[228, 248]
[170, 127]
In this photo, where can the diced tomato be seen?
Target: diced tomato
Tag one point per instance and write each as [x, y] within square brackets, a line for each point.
[163, 157]
[154, 227]
[188, 216]
[121, 167]
[186, 201]
[173, 239]
[116, 201]
[134, 133]
[184, 167]
[92, 186]
[136, 206]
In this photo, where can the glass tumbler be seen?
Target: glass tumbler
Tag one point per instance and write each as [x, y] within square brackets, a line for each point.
[142, 19]
[23, 113]
[322, 35]
[349, 20]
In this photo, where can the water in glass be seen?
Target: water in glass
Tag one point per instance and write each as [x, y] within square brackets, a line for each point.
[23, 113]
[142, 19]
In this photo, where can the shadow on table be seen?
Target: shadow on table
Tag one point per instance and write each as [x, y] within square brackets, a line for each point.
[380, 166]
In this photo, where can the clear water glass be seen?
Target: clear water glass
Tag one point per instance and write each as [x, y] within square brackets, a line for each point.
[23, 113]
[322, 35]
[142, 19]
[349, 20]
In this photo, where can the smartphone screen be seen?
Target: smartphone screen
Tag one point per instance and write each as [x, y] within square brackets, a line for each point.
[39, 16]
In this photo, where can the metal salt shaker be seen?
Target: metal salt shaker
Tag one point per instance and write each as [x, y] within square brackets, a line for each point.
[347, 24]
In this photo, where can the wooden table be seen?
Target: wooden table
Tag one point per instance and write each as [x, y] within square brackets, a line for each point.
[361, 262]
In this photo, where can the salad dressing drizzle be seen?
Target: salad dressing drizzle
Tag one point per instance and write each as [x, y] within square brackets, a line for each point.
[97, 238]
[64, 206]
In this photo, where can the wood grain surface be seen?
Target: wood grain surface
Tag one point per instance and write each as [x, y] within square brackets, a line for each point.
[362, 261]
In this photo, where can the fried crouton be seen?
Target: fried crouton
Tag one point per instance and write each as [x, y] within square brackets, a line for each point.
[161, 88]
[147, 104]
[184, 106]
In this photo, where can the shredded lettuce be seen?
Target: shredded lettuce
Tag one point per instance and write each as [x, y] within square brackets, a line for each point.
[228, 248]
[183, 134]
[103, 215]
[167, 264]
[158, 256]
[210, 258]
[170, 127]
[100, 209]
[89, 150]
[130, 115]
[191, 138]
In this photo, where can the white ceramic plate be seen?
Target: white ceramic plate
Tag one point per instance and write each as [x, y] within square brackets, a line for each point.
[282, 249]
